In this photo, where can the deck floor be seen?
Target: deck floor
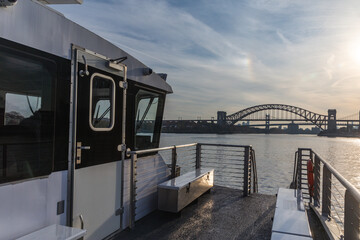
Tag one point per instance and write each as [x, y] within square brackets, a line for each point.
[221, 214]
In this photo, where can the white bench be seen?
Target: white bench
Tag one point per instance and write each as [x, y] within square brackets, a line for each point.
[55, 232]
[290, 220]
[177, 193]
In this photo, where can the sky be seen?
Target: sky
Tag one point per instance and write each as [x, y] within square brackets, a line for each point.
[232, 54]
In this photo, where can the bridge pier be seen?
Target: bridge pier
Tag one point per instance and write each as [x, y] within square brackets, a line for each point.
[221, 118]
[267, 123]
[331, 120]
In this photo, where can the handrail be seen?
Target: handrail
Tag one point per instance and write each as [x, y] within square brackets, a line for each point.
[349, 186]
[345, 211]
[161, 149]
[183, 146]
[247, 175]
[223, 145]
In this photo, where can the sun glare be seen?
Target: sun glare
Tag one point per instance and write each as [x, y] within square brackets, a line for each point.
[354, 52]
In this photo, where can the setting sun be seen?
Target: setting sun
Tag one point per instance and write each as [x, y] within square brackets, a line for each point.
[354, 51]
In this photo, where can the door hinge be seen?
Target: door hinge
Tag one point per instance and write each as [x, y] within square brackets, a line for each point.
[119, 211]
[121, 148]
[123, 84]
[78, 153]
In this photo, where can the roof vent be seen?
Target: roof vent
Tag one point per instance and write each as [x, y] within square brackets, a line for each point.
[7, 3]
[147, 71]
[60, 1]
[163, 76]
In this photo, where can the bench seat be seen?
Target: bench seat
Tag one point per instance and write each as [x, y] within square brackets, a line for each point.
[55, 232]
[290, 220]
[177, 193]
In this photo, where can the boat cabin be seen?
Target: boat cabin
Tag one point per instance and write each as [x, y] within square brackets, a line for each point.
[71, 104]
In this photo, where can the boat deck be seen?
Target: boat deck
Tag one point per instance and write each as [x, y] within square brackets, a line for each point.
[220, 214]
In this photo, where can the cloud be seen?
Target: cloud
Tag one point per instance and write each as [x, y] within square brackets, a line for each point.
[228, 55]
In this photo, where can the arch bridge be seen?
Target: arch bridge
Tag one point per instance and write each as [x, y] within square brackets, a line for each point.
[319, 120]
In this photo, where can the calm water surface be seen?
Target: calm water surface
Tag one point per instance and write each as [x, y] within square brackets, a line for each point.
[275, 154]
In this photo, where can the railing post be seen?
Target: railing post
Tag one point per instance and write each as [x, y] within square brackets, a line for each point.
[351, 219]
[133, 190]
[298, 174]
[317, 181]
[326, 196]
[246, 171]
[250, 170]
[173, 162]
[198, 155]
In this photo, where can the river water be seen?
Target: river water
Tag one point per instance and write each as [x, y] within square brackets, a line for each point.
[275, 154]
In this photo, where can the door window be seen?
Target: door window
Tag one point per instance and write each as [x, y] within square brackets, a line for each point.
[148, 119]
[102, 102]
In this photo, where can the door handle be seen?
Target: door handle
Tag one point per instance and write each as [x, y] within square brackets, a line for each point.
[84, 147]
[79, 148]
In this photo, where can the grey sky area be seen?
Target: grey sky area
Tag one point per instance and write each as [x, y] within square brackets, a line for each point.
[229, 54]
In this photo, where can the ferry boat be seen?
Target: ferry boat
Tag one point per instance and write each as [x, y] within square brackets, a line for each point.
[80, 123]
[71, 103]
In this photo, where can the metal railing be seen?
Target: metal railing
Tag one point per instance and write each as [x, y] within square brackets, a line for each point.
[334, 199]
[234, 166]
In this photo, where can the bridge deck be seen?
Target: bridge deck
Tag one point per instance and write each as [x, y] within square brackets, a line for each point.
[221, 214]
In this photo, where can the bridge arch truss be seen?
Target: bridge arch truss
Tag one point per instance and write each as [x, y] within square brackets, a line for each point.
[319, 120]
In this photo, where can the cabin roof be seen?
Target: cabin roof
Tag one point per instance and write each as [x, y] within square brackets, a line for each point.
[35, 25]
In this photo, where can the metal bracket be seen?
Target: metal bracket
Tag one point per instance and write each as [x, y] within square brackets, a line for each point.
[79, 147]
[188, 188]
[85, 72]
[115, 63]
[121, 148]
[78, 153]
[82, 221]
[119, 211]
[123, 84]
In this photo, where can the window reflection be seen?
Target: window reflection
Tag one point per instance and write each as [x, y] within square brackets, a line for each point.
[19, 106]
[102, 101]
[26, 116]
[146, 119]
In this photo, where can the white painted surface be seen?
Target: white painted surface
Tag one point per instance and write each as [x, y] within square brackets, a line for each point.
[290, 215]
[285, 199]
[282, 236]
[151, 171]
[56, 191]
[55, 232]
[28, 206]
[289, 221]
[61, 1]
[183, 180]
[96, 198]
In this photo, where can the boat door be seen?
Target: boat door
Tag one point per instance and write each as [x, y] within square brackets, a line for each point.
[98, 138]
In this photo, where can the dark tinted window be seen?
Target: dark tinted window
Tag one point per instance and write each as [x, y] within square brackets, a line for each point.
[149, 110]
[102, 102]
[26, 115]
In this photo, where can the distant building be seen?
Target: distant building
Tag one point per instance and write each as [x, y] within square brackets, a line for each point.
[315, 130]
[293, 128]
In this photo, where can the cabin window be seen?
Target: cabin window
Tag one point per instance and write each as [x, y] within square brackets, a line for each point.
[20, 106]
[149, 108]
[26, 115]
[102, 102]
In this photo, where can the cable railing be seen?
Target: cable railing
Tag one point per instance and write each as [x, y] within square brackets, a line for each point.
[334, 199]
[234, 166]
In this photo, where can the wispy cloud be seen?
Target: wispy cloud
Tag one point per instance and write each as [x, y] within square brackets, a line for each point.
[228, 55]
